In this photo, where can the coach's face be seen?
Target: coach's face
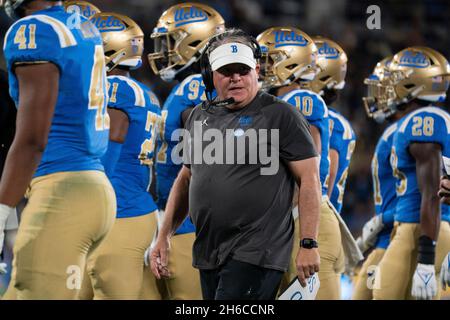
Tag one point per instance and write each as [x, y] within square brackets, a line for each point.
[237, 81]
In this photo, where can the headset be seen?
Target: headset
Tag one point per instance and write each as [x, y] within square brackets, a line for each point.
[205, 66]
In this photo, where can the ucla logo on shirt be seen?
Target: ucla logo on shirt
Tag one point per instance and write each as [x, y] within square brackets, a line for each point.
[245, 121]
[328, 52]
[283, 38]
[414, 60]
[186, 16]
[107, 24]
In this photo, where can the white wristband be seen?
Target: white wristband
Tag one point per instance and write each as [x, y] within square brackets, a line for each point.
[5, 211]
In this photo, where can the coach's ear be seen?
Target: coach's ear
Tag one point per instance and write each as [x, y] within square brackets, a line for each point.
[257, 68]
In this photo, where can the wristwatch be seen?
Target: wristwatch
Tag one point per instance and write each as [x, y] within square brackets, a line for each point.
[308, 243]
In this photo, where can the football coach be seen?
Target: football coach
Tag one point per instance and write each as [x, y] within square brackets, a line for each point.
[239, 202]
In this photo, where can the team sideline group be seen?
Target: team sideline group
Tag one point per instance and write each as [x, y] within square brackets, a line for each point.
[93, 140]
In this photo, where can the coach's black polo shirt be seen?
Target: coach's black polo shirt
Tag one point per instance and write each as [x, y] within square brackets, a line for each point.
[237, 211]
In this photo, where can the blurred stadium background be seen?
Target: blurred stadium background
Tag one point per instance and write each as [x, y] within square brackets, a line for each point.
[403, 23]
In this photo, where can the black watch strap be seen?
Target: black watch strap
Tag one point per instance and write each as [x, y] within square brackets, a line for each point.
[308, 243]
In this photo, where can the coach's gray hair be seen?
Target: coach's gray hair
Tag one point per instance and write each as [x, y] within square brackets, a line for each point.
[230, 35]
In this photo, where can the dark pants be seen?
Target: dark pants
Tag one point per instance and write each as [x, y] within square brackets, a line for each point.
[236, 280]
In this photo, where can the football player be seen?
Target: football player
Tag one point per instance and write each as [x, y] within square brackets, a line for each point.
[376, 232]
[116, 266]
[7, 128]
[180, 38]
[58, 81]
[84, 8]
[418, 77]
[289, 59]
[331, 78]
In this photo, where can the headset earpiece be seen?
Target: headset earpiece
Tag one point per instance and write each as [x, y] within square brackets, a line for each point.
[205, 70]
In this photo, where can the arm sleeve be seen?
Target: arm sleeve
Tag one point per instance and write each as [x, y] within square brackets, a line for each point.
[121, 97]
[32, 41]
[336, 136]
[111, 156]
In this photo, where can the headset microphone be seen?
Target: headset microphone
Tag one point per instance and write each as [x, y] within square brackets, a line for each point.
[206, 105]
[222, 103]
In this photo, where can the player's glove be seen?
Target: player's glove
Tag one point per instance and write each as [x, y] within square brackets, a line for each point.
[5, 211]
[3, 268]
[424, 285]
[445, 272]
[370, 232]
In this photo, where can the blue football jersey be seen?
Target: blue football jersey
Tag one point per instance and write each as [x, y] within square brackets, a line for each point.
[79, 130]
[383, 182]
[343, 140]
[186, 94]
[131, 176]
[315, 111]
[426, 125]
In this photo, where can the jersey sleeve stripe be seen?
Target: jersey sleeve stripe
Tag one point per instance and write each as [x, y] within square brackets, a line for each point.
[138, 92]
[348, 131]
[389, 131]
[66, 38]
[433, 110]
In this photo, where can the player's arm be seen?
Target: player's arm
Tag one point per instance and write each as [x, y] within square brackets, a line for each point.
[306, 173]
[175, 213]
[428, 166]
[315, 133]
[38, 88]
[118, 131]
[334, 165]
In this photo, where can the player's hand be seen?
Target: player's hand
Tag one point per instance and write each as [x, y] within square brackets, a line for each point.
[370, 231]
[5, 211]
[445, 272]
[424, 286]
[444, 191]
[307, 262]
[3, 268]
[159, 258]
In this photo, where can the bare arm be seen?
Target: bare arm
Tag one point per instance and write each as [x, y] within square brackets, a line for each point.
[38, 87]
[428, 166]
[334, 165]
[178, 203]
[306, 173]
[119, 125]
[176, 211]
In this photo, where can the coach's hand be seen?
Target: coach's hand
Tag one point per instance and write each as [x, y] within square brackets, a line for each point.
[307, 262]
[159, 258]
